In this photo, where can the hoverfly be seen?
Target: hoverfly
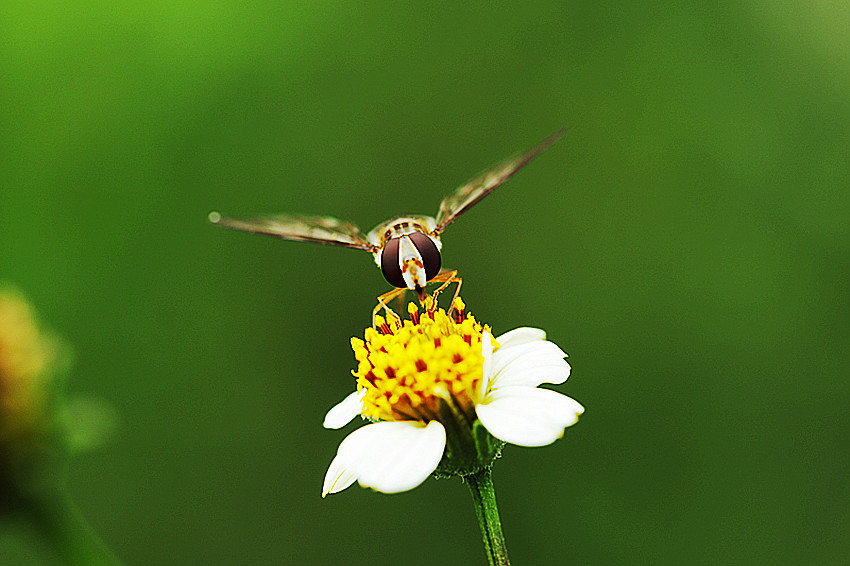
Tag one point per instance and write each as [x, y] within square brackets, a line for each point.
[406, 248]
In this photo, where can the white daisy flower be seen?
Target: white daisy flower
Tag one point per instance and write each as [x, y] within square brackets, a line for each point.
[428, 382]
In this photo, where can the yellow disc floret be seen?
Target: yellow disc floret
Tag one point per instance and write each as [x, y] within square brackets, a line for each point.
[411, 369]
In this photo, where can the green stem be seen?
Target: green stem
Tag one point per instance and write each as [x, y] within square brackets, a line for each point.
[483, 494]
[68, 534]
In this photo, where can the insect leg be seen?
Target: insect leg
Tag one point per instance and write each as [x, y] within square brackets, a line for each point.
[382, 304]
[446, 278]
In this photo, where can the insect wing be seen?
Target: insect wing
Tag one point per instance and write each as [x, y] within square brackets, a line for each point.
[479, 187]
[318, 229]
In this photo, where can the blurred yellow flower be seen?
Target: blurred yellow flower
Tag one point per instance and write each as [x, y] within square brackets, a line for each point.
[26, 356]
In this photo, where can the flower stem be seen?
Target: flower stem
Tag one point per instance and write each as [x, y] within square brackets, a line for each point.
[484, 495]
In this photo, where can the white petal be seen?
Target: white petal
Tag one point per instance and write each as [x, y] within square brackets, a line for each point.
[342, 413]
[532, 375]
[519, 336]
[387, 456]
[529, 364]
[539, 349]
[337, 478]
[528, 416]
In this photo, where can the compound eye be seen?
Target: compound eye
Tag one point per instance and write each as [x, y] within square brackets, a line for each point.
[389, 264]
[429, 252]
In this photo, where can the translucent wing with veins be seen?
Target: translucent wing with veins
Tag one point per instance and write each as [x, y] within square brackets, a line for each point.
[318, 229]
[406, 248]
[479, 187]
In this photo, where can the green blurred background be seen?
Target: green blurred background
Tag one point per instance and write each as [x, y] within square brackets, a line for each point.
[687, 243]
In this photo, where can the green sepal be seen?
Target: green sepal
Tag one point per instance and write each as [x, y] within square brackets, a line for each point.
[468, 450]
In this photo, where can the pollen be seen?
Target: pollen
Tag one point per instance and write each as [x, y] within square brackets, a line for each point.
[415, 369]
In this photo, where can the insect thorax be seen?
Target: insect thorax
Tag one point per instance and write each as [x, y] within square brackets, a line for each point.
[401, 226]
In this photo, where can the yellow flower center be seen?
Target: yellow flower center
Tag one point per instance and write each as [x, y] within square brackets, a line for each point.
[412, 369]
